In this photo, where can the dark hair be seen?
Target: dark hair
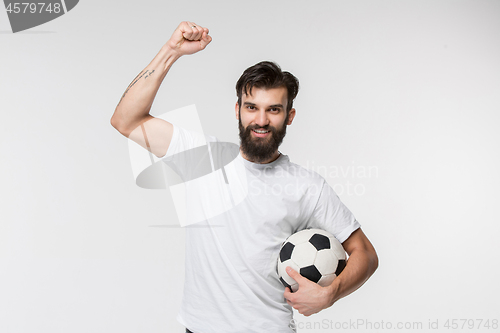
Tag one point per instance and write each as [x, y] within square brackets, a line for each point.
[267, 75]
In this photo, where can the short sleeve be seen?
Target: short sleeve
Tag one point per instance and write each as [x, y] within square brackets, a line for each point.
[332, 215]
[183, 140]
[188, 154]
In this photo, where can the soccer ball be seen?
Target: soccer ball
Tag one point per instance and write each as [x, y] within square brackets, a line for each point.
[314, 253]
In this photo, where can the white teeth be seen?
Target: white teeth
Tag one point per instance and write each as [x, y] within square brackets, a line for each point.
[260, 132]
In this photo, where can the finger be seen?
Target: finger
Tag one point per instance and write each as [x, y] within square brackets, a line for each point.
[205, 40]
[197, 31]
[187, 31]
[179, 33]
[202, 31]
[301, 280]
[294, 274]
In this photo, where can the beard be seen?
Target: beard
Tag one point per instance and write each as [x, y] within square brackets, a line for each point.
[261, 149]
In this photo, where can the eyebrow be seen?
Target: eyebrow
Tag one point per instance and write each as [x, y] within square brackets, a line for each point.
[270, 106]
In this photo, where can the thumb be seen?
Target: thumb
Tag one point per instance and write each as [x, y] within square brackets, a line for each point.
[205, 39]
[294, 274]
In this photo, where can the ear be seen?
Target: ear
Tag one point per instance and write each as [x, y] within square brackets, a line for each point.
[291, 115]
[237, 110]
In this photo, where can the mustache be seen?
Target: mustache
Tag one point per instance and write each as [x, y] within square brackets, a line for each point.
[265, 128]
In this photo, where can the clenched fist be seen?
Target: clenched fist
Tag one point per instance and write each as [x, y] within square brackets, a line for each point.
[189, 38]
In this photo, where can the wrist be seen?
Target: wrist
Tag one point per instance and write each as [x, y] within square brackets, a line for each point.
[168, 51]
[333, 292]
[164, 59]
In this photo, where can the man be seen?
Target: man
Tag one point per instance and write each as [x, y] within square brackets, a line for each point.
[231, 284]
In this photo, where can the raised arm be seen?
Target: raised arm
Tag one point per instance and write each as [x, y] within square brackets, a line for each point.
[131, 117]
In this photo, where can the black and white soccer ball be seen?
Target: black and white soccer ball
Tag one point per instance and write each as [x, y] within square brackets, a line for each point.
[315, 254]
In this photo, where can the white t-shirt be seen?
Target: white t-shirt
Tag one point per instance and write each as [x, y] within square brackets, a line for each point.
[231, 283]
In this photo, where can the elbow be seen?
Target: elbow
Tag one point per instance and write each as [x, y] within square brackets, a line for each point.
[115, 119]
[118, 125]
[114, 122]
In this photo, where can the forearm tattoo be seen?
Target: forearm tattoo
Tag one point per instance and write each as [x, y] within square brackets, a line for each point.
[145, 73]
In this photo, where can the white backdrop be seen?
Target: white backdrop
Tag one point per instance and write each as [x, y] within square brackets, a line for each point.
[398, 109]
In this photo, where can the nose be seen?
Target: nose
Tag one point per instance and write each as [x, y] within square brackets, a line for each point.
[261, 118]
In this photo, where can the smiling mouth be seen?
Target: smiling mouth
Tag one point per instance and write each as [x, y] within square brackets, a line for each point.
[260, 133]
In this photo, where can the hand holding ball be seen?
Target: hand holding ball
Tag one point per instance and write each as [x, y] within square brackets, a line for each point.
[316, 254]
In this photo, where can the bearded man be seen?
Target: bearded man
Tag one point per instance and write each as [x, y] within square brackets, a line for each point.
[231, 283]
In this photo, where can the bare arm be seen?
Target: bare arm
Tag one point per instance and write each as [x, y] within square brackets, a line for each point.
[131, 117]
[312, 298]
[362, 263]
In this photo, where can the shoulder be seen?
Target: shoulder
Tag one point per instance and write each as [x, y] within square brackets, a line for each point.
[302, 173]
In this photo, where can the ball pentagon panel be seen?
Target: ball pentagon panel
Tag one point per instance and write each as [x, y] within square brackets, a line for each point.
[304, 254]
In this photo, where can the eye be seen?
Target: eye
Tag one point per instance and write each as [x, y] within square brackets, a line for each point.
[275, 109]
[251, 107]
